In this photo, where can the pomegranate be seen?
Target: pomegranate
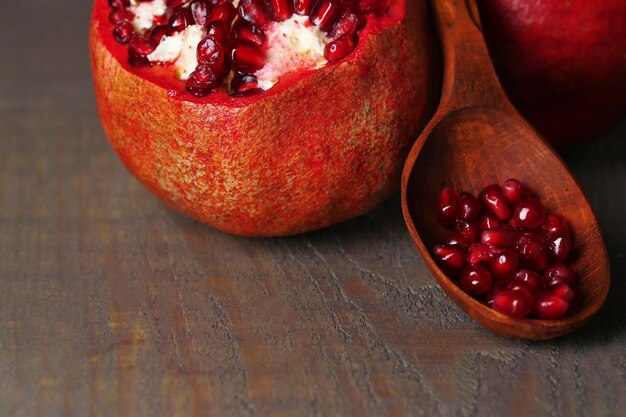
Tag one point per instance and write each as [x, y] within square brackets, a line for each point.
[264, 118]
[509, 268]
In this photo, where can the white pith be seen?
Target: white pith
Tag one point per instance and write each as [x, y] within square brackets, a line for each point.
[293, 44]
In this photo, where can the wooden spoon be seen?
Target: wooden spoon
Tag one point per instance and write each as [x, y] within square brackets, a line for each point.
[477, 138]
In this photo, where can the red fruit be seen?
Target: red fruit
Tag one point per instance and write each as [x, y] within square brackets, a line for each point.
[339, 48]
[246, 56]
[158, 32]
[253, 11]
[479, 253]
[451, 259]
[491, 197]
[515, 191]
[202, 81]
[558, 274]
[281, 9]
[475, 280]
[138, 51]
[219, 31]
[503, 264]
[532, 252]
[529, 213]
[489, 220]
[496, 287]
[124, 32]
[244, 84]
[558, 245]
[254, 165]
[303, 7]
[548, 306]
[563, 290]
[561, 61]
[468, 228]
[522, 286]
[200, 10]
[531, 278]
[180, 19]
[555, 223]
[469, 207]
[515, 304]
[448, 209]
[458, 239]
[244, 30]
[326, 13]
[501, 237]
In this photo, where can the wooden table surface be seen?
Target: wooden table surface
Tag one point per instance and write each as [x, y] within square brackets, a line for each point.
[113, 305]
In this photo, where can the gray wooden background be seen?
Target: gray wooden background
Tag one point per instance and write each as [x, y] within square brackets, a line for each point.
[113, 305]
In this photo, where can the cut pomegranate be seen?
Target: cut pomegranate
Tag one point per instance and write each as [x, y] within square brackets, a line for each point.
[514, 304]
[491, 197]
[475, 280]
[529, 213]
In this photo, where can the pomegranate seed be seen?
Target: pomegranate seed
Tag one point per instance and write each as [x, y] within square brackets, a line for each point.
[503, 264]
[559, 246]
[468, 228]
[339, 48]
[303, 7]
[173, 3]
[501, 236]
[211, 53]
[491, 197]
[496, 287]
[119, 4]
[224, 12]
[448, 204]
[246, 56]
[548, 306]
[138, 51]
[218, 30]
[244, 30]
[557, 274]
[529, 213]
[325, 14]
[180, 19]
[121, 15]
[349, 22]
[202, 81]
[512, 303]
[281, 9]
[458, 239]
[200, 11]
[376, 7]
[515, 191]
[158, 32]
[531, 251]
[489, 220]
[531, 278]
[479, 253]
[451, 259]
[555, 223]
[475, 280]
[469, 206]
[253, 11]
[564, 291]
[514, 285]
[124, 32]
[242, 83]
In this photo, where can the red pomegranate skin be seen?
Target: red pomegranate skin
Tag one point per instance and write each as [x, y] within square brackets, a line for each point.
[320, 147]
[562, 63]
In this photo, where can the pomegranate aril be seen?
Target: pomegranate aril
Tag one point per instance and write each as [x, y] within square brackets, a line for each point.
[555, 223]
[158, 32]
[180, 19]
[202, 81]
[119, 4]
[515, 191]
[563, 290]
[244, 30]
[200, 11]
[339, 48]
[223, 12]
[124, 32]
[501, 236]
[468, 228]
[325, 14]
[515, 304]
[514, 285]
[558, 274]
[242, 83]
[532, 252]
[489, 220]
[549, 306]
[121, 15]
[211, 53]
[469, 205]
[558, 245]
[458, 239]
[451, 259]
[503, 264]
[219, 31]
[529, 213]
[173, 3]
[448, 209]
[281, 9]
[253, 11]
[491, 197]
[496, 287]
[303, 7]
[139, 49]
[375, 7]
[475, 280]
[246, 56]
[531, 278]
[349, 22]
[479, 253]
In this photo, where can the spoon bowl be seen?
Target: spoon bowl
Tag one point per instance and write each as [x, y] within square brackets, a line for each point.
[476, 138]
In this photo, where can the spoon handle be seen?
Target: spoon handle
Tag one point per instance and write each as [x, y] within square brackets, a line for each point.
[469, 77]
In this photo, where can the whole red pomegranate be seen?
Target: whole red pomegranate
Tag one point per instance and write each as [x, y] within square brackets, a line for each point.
[264, 118]
[563, 63]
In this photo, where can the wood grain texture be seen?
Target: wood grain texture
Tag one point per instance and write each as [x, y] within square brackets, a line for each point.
[113, 305]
